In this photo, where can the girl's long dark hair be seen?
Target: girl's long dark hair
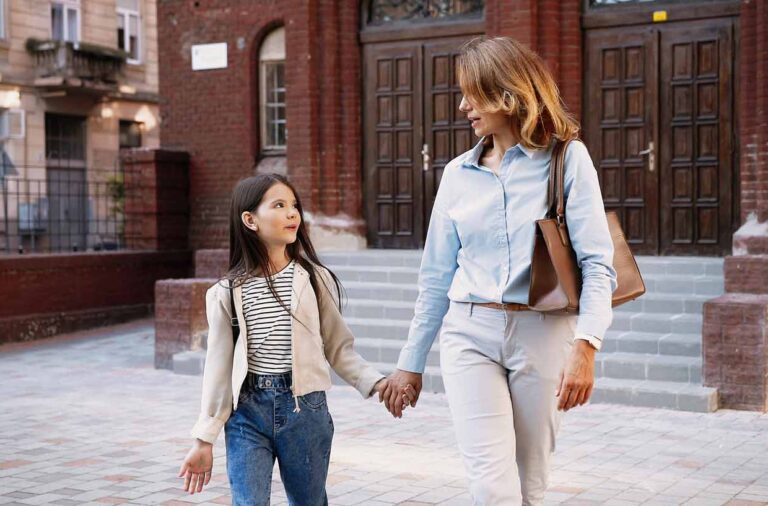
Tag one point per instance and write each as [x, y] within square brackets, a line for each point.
[248, 255]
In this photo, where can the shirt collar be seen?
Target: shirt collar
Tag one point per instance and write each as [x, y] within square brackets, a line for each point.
[473, 159]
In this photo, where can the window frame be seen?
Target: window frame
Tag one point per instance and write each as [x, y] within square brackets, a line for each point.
[126, 15]
[271, 52]
[67, 5]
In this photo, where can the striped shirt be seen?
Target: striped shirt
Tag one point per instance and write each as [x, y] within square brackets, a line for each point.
[268, 323]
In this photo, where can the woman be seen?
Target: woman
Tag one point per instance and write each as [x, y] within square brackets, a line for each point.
[508, 372]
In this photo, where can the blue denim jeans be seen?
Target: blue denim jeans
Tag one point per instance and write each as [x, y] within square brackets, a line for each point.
[265, 427]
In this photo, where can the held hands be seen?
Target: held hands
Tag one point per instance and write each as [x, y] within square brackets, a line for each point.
[578, 377]
[197, 466]
[400, 389]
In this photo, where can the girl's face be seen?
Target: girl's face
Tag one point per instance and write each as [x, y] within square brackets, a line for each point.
[484, 123]
[276, 220]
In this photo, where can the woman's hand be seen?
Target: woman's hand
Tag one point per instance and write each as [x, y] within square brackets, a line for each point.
[197, 466]
[578, 377]
[402, 389]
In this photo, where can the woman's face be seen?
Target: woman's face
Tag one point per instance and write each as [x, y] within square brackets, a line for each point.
[484, 123]
[276, 220]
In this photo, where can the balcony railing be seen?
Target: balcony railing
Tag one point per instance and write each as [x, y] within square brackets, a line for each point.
[61, 63]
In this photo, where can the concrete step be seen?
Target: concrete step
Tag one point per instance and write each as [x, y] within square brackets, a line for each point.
[660, 323]
[679, 344]
[697, 285]
[389, 309]
[637, 322]
[639, 366]
[387, 351]
[412, 258]
[386, 300]
[379, 328]
[681, 336]
[659, 302]
[621, 365]
[655, 394]
[382, 292]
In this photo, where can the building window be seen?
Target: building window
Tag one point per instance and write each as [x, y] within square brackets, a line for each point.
[272, 87]
[130, 134]
[387, 11]
[65, 20]
[128, 33]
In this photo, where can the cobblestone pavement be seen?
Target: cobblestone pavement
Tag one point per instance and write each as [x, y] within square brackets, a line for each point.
[87, 420]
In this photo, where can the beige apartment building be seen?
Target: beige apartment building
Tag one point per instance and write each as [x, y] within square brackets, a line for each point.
[78, 82]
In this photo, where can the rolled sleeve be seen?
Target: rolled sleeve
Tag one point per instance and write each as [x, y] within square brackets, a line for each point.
[216, 401]
[339, 343]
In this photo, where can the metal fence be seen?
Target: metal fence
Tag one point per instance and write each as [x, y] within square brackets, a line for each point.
[53, 209]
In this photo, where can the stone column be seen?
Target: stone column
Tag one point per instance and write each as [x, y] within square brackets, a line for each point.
[156, 199]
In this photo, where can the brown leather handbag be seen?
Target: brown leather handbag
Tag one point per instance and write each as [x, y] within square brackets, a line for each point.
[555, 274]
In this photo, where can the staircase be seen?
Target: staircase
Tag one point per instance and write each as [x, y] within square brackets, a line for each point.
[651, 355]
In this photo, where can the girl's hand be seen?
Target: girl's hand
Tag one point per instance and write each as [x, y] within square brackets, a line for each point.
[197, 466]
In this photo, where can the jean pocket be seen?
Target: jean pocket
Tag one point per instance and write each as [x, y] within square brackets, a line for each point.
[314, 400]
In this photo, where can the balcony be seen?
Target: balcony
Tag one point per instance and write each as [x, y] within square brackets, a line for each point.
[76, 67]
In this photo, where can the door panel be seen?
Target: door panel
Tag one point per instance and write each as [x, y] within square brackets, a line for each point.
[392, 119]
[696, 113]
[671, 85]
[619, 124]
[447, 130]
[411, 110]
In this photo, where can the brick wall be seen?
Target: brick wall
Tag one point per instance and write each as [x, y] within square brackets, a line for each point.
[213, 114]
[180, 318]
[156, 199]
[753, 107]
[44, 295]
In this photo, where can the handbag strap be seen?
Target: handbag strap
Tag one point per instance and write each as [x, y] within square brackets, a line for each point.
[556, 189]
[233, 320]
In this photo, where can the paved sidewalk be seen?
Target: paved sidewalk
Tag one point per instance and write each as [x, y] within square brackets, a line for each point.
[87, 420]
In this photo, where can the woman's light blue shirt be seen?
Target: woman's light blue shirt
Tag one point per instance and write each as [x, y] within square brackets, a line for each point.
[481, 234]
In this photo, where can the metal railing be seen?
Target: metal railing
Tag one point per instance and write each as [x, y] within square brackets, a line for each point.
[54, 209]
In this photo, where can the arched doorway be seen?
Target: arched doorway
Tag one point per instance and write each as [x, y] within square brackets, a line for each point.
[411, 123]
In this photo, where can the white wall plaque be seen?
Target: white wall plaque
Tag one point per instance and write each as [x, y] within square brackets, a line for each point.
[209, 56]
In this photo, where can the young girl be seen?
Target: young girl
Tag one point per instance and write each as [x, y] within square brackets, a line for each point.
[267, 387]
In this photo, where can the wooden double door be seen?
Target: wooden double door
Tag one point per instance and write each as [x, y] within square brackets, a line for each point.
[659, 123]
[413, 127]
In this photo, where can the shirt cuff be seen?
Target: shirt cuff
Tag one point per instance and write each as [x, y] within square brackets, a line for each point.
[596, 342]
[412, 360]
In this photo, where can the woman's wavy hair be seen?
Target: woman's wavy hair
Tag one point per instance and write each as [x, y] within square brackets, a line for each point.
[248, 255]
[501, 74]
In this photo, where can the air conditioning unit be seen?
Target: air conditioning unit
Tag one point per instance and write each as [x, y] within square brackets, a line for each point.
[33, 216]
[12, 124]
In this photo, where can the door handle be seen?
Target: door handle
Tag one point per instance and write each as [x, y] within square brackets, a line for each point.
[651, 156]
[425, 157]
